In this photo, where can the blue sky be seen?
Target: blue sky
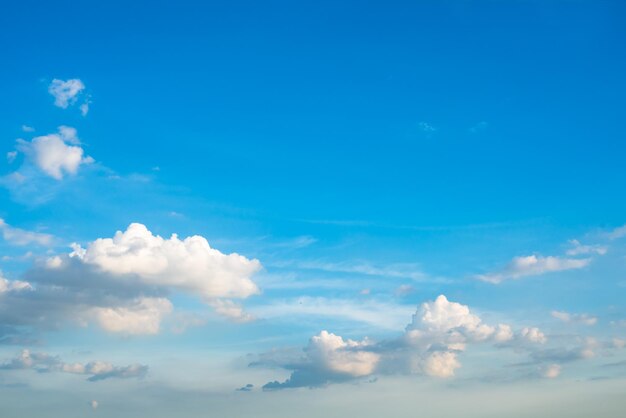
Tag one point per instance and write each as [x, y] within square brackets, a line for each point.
[339, 166]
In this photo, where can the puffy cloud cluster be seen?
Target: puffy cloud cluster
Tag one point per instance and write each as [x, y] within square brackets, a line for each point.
[533, 265]
[96, 370]
[190, 264]
[439, 331]
[55, 154]
[123, 283]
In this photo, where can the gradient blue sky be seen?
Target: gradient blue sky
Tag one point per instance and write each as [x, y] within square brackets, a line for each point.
[370, 155]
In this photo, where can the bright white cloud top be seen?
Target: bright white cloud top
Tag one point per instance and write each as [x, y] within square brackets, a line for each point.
[189, 264]
[57, 154]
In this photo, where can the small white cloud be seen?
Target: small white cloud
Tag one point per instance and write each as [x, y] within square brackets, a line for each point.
[533, 265]
[11, 155]
[94, 404]
[52, 154]
[27, 128]
[84, 109]
[533, 335]
[574, 318]
[65, 92]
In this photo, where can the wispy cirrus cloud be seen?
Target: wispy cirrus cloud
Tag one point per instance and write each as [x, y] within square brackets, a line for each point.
[17, 236]
[581, 249]
[567, 317]
[533, 265]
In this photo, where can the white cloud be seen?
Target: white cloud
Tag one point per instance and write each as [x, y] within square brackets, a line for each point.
[65, 92]
[438, 332]
[441, 364]
[447, 322]
[11, 156]
[13, 285]
[19, 236]
[533, 335]
[27, 128]
[574, 318]
[94, 404]
[330, 358]
[142, 317]
[189, 264]
[533, 265]
[580, 249]
[52, 154]
[84, 108]
[337, 355]
[97, 370]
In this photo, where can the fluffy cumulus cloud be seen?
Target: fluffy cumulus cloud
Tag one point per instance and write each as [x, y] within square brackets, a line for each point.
[57, 154]
[439, 332]
[65, 92]
[17, 236]
[533, 265]
[123, 284]
[189, 264]
[328, 358]
[95, 370]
